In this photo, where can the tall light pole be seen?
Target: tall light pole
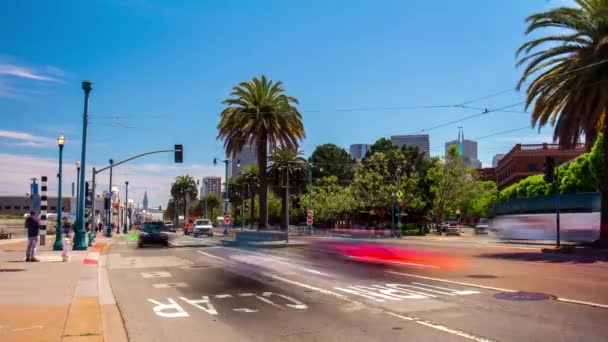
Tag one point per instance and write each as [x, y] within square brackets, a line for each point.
[78, 186]
[126, 206]
[206, 196]
[238, 164]
[399, 197]
[393, 213]
[310, 193]
[109, 218]
[57, 246]
[79, 235]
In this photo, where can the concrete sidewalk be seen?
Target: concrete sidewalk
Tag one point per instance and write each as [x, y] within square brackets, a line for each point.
[52, 300]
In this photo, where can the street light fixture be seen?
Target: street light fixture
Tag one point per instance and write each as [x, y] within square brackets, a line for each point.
[57, 246]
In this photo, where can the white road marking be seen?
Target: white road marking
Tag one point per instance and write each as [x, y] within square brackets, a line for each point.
[420, 288]
[566, 300]
[246, 295]
[160, 309]
[221, 296]
[409, 294]
[407, 318]
[169, 285]
[392, 262]
[175, 243]
[452, 282]
[211, 256]
[207, 306]
[458, 292]
[245, 310]
[315, 272]
[159, 274]
[297, 304]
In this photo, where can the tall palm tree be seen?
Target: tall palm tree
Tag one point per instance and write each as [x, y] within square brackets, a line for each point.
[184, 188]
[259, 113]
[288, 165]
[570, 71]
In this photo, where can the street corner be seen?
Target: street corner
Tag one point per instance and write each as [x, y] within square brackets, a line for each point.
[32, 322]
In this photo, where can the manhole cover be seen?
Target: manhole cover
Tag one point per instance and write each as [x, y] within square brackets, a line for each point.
[523, 296]
[482, 276]
[11, 269]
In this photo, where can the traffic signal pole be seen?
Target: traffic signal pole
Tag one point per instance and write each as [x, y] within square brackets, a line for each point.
[557, 227]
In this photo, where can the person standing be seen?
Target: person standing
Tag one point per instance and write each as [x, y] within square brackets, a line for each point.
[33, 229]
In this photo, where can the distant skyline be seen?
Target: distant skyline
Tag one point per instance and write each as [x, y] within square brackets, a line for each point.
[160, 70]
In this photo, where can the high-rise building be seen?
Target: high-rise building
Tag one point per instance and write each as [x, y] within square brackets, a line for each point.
[358, 151]
[145, 200]
[497, 158]
[466, 148]
[247, 156]
[214, 185]
[419, 140]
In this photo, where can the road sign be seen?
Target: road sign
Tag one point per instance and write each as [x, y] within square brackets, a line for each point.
[310, 213]
[309, 221]
[399, 195]
[227, 219]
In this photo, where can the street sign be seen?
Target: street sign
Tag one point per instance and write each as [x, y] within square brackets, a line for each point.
[309, 221]
[227, 219]
[310, 213]
[399, 195]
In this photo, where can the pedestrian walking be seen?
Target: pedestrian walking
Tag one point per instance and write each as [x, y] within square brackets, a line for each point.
[33, 229]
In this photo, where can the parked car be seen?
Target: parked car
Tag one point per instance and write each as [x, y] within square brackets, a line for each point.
[453, 228]
[170, 226]
[482, 226]
[202, 227]
[154, 232]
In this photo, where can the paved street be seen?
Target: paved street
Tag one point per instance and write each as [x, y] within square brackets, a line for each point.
[199, 289]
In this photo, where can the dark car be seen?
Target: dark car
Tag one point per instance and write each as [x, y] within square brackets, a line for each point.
[154, 232]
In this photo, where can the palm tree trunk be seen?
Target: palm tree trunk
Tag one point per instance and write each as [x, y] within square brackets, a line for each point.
[604, 190]
[252, 210]
[284, 209]
[262, 148]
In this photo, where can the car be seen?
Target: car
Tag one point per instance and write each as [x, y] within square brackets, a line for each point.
[202, 227]
[482, 226]
[453, 228]
[169, 224]
[154, 232]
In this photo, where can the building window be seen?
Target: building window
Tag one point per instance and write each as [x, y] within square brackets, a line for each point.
[532, 167]
[7, 207]
[17, 207]
[26, 208]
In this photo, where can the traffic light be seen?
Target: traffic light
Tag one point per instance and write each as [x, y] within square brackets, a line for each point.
[179, 154]
[549, 169]
[246, 209]
[296, 203]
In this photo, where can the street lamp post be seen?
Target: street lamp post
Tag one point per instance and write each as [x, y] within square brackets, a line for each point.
[77, 187]
[238, 164]
[206, 196]
[79, 235]
[57, 246]
[109, 217]
[126, 206]
[393, 212]
[399, 204]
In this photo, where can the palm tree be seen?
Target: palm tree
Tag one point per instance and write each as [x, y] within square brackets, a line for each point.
[570, 73]
[259, 113]
[287, 163]
[184, 188]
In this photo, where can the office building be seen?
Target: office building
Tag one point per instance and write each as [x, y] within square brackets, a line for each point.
[418, 140]
[527, 160]
[466, 148]
[358, 151]
[247, 156]
[214, 185]
[497, 159]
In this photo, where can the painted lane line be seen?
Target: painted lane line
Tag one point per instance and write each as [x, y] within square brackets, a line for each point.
[458, 292]
[245, 310]
[211, 256]
[159, 274]
[452, 282]
[169, 285]
[221, 296]
[246, 295]
[315, 272]
[407, 318]
[573, 301]
[175, 243]
[392, 262]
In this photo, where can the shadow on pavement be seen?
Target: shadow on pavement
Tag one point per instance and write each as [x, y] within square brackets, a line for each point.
[582, 257]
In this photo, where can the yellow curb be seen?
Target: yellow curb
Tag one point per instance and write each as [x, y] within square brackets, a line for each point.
[83, 318]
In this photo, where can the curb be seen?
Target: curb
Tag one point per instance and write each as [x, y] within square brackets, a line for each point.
[113, 327]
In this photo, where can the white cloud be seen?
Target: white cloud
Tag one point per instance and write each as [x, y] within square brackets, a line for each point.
[26, 139]
[23, 72]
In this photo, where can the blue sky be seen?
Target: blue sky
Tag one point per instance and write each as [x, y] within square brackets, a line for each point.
[164, 67]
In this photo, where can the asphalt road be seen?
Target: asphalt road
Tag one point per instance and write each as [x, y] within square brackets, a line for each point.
[197, 290]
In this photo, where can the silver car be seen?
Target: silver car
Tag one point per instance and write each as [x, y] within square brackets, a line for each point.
[202, 227]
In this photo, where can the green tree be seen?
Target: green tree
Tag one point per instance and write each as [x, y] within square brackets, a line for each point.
[449, 184]
[184, 189]
[381, 145]
[251, 180]
[570, 75]
[258, 112]
[288, 168]
[332, 160]
[482, 199]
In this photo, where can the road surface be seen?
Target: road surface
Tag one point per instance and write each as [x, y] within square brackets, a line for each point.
[198, 289]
